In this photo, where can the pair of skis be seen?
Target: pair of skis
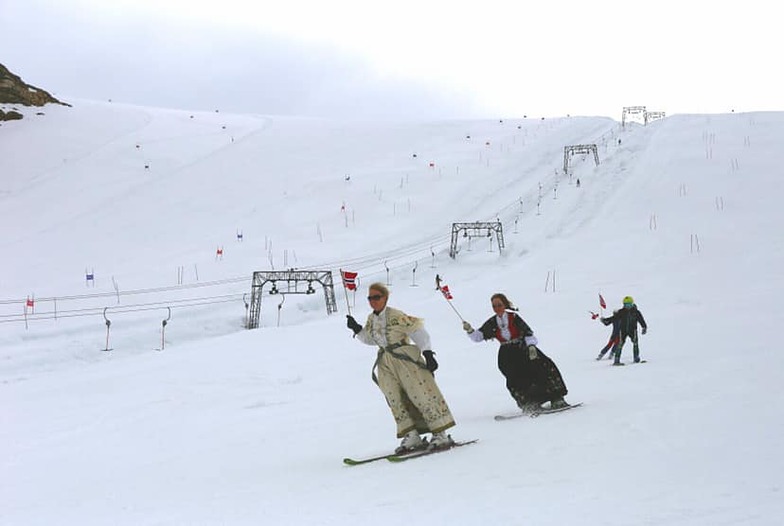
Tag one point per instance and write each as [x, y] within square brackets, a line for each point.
[402, 457]
[632, 363]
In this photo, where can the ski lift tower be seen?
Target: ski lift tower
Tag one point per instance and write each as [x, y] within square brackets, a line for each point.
[476, 229]
[579, 148]
[286, 282]
[634, 111]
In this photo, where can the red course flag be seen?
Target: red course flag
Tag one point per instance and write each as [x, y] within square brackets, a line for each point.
[602, 304]
[30, 303]
[349, 279]
[445, 291]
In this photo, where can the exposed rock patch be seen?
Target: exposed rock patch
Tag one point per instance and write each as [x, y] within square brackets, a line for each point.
[13, 90]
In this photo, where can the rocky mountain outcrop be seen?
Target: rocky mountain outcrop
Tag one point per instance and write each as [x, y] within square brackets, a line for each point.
[13, 90]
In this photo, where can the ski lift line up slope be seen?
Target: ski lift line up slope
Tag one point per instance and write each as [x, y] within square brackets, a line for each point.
[440, 242]
[394, 259]
[420, 249]
[437, 240]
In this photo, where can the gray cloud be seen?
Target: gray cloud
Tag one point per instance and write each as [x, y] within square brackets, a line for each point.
[168, 64]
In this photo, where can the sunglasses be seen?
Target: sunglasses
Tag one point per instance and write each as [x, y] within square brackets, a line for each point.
[375, 297]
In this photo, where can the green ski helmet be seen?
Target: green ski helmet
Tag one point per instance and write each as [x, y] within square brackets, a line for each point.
[628, 300]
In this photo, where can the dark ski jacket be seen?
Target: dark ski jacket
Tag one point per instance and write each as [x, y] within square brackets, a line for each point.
[626, 320]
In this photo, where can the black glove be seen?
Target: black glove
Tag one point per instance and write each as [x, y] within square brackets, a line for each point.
[644, 330]
[432, 364]
[352, 324]
[605, 321]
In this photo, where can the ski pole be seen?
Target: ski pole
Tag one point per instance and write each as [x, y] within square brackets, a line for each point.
[454, 309]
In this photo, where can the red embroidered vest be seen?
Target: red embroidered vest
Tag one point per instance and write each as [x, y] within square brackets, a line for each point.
[514, 332]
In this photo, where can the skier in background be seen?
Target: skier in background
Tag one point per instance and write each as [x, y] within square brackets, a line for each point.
[531, 377]
[614, 339]
[627, 319]
[404, 376]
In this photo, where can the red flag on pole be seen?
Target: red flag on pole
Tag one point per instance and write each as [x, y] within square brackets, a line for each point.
[349, 279]
[445, 291]
[602, 304]
[30, 303]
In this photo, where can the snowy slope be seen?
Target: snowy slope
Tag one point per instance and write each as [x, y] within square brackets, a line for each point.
[229, 426]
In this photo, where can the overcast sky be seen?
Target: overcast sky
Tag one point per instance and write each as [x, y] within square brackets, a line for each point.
[408, 58]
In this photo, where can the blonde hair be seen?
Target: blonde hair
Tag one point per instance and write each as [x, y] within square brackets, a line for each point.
[380, 287]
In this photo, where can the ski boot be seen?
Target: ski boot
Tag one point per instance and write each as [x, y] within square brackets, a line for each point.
[411, 442]
[558, 403]
[441, 440]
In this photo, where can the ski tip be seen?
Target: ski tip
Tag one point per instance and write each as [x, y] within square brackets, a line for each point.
[513, 416]
[357, 462]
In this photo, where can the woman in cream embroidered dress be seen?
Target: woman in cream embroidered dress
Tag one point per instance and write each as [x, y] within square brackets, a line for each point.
[404, 376]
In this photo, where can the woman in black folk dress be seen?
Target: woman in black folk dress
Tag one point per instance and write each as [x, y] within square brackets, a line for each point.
[532, 378]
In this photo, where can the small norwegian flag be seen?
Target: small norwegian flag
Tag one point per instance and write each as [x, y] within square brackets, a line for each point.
[602, 304]
[349, 279]
[445, 291]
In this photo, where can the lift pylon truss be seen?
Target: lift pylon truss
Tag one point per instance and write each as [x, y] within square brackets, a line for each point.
[579, 148]
[476, 229]
[287, 282]
[634, 111]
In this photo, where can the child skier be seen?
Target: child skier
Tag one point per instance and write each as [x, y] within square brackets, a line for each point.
[627, 319]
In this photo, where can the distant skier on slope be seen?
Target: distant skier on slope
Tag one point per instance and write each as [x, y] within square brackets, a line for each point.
[627, 319]
[531, 377]
[404, 376]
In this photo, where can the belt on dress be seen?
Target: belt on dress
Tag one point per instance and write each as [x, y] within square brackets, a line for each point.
[389, 349]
